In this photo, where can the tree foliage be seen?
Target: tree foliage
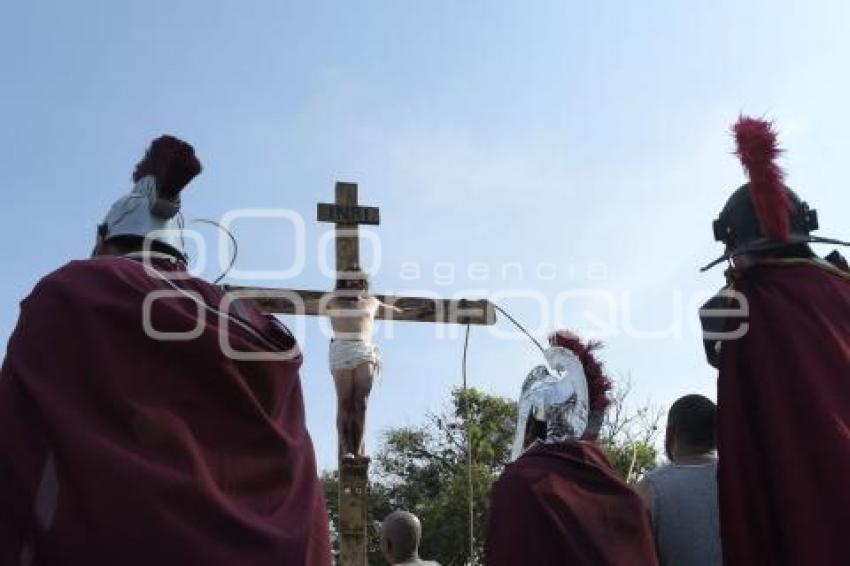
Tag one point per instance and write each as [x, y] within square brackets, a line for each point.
[629, 435]
[427, 470]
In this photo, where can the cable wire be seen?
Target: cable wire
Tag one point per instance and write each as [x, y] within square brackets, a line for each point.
[518, 325]
[468, 449]
[232, 241]
[469, 425]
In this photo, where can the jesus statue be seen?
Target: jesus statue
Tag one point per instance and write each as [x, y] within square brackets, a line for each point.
[354, 359]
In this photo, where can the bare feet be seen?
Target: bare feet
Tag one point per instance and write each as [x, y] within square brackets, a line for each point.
[354, 458]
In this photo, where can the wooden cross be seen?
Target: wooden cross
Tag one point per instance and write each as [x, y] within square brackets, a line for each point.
[347, 214]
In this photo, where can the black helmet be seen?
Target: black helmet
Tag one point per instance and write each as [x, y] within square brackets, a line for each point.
[764, 214]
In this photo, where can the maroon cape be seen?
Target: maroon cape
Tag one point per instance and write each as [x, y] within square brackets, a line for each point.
[564, 504]
[119, 449]
[784, 420]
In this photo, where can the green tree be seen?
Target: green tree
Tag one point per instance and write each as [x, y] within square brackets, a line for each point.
[629, 434]
[426, 470]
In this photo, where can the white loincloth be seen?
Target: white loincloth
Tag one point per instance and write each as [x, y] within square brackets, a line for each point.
[348, 354]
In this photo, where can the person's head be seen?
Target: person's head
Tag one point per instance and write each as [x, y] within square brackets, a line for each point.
[763, 218]
[567, 403]
[353, 281]
[400, 536]
[691, 427]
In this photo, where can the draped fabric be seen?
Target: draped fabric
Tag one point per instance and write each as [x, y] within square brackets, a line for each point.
[784, 418]
[117, 448]
[564, 504]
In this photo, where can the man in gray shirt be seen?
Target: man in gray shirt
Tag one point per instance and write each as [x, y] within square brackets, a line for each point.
[682, 496]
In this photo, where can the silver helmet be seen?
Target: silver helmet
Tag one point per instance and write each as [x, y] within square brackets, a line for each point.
[151, 210]
[557, 396]
[565, 399]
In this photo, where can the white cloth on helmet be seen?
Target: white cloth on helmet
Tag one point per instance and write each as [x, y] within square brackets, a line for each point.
[348, 354]
[560, 400]
[143, 213]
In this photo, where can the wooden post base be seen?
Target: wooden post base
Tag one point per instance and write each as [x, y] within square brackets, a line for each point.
[353, 511]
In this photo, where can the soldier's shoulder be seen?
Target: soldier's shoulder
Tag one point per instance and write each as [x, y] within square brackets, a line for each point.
[82, 278]
[81, 270]
[70, 272]
[658, 472]
[62, 284]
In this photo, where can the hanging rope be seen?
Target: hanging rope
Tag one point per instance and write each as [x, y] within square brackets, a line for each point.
[518, 325]
[233, 241]
[468, 424]
[468, 450]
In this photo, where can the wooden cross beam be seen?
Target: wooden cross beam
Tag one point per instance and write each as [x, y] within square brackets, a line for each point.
[415, 309]
[347, 214]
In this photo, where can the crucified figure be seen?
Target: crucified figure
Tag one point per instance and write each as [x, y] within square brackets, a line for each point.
[354, 359]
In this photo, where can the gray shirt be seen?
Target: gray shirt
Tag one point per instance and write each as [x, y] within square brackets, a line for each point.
[684, 514]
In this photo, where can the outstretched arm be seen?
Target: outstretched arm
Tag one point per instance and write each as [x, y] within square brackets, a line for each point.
[387, 308]
[413, 311]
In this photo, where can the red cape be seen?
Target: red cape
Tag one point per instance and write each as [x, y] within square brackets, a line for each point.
[119, 449]
[564, 504]
[784, 419]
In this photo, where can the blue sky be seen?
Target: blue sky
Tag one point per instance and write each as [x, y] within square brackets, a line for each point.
[571, 135]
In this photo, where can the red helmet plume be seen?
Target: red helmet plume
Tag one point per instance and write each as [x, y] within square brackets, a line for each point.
[758, 150]
[172, 162]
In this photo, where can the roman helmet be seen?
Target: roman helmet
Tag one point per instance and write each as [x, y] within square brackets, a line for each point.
[566, 398]
[763, 214]
[151, 210]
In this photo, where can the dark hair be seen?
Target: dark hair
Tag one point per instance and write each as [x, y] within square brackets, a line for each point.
[693, 419]
[352, 279]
